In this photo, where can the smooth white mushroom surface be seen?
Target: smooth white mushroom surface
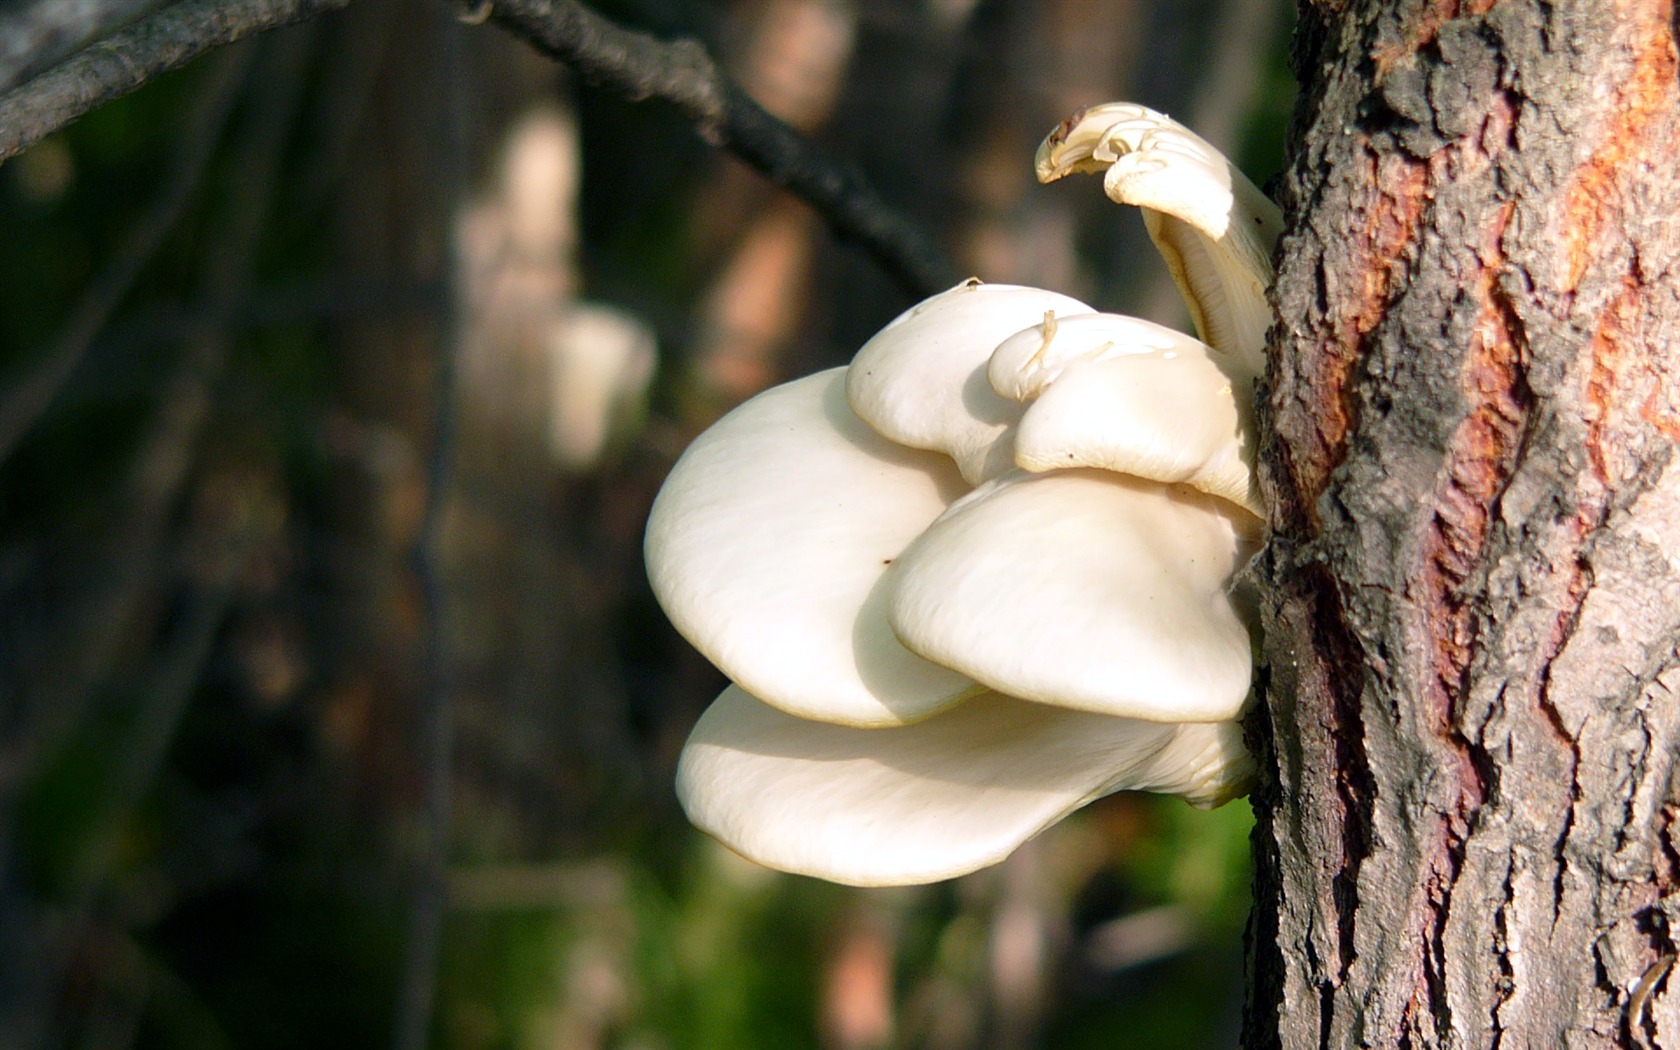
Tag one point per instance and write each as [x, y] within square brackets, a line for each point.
[921, 381]
[1124, 416]
[1026, 363]
[1106, 392]
[985, 573]
[940, 798]
[767, 545]
[1082, 588]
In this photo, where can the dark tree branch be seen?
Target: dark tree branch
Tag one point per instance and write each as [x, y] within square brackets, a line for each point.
[683, 73]
[118, 64]
[39, 35]
[634, 63]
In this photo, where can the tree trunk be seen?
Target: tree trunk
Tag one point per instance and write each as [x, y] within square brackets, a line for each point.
[1472, 597]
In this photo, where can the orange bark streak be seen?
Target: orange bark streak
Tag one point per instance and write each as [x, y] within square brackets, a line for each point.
[1390, 225]
[1478, 463]
[1624, 154]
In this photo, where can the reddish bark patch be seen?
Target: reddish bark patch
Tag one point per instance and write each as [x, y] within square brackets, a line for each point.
[1614, 352]
[1658, 408]
[1623, 384]
[1667, 861]
[1385, 246]
[1477, 465]
[1623, 153]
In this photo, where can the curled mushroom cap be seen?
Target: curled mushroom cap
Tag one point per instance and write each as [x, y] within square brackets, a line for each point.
[767, 545]
[959, 791]
[1084, 589]
[1128, 145]
[921, 381]
[1213, 226]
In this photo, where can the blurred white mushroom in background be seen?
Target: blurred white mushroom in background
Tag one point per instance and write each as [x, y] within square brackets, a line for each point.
[983, 575]
[544, 367]
[547, 391]
[601, 361]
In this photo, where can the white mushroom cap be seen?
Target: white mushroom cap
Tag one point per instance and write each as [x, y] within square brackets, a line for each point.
[878, 807]
[1213, 226]
[1175, 419]
[1084, 589]
[921, 381]
[767, 545]
[1133, 397]
[1030, 360]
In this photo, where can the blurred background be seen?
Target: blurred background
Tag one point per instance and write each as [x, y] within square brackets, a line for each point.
[337, 373]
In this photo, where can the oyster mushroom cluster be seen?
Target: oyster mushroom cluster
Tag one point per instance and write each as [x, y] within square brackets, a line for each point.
[983, 574]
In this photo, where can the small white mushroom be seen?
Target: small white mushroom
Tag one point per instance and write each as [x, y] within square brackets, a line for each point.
[1126, 395]
[921, 381]
[767, 545]
[959, 791]
[1085, 589]
[1213, 226]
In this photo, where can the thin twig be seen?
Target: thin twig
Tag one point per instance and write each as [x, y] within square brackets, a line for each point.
[39, 35]
[118, 64]
[417, 995]
[681, 72]
[31, 395]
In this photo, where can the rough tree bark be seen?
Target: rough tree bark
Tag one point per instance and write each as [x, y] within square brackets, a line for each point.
[1473, 593]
